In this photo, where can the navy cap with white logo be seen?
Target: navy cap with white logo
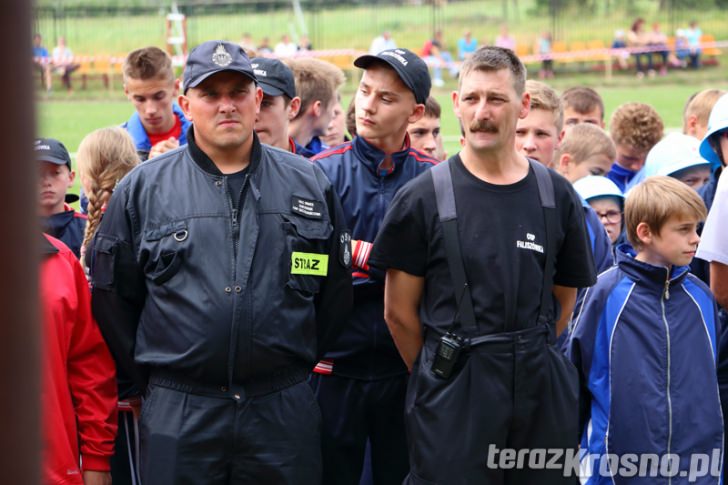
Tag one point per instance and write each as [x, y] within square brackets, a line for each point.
[408, 65]
[274, 77]
[51, 150]
[212, 57]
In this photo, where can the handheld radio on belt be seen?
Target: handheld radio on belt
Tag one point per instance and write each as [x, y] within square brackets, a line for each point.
[451, 345]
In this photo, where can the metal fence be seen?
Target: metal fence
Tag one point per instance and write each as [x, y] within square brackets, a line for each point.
[95, 29]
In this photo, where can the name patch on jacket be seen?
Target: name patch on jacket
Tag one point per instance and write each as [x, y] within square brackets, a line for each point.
[309, 264]
[312, 209]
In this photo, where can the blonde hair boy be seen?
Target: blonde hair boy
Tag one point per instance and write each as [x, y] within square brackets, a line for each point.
[585, 150]
[655, 204]
[697, 111]
[538, 134]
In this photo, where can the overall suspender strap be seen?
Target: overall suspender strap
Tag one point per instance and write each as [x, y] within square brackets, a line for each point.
[447, 213]
[548, 203]
[445, 196]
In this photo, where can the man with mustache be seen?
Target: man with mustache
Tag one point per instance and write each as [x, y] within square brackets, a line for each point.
[483, 255]
[361, 382]
[222, 273]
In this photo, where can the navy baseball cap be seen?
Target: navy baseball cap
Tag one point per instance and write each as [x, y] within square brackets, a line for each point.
[408, 65]
[212, 57]
[274, 77]
[51, 150]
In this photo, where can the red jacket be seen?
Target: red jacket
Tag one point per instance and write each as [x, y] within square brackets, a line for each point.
[79, 378]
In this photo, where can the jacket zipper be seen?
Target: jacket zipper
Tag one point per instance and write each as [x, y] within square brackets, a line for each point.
[234, 222]
[235, 235]
[666, 296]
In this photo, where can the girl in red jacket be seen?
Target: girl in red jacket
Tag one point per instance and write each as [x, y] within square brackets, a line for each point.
[79, 378]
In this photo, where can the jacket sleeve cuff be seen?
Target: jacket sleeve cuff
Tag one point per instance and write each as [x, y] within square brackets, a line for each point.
[96, 463]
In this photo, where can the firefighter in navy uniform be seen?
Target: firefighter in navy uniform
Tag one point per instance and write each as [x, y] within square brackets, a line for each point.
[222, 272]
[361, 382]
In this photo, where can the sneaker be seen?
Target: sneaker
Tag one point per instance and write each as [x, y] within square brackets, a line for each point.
[438, 82]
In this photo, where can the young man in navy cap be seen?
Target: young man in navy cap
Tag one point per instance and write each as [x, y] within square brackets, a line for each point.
[219, 299]
[279, 106]
[55, 178]
[361, 382]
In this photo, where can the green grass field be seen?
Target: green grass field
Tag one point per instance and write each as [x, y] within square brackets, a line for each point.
[69, 120]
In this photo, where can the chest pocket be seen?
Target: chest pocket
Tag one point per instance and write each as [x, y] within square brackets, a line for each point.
[163, 251]
[307, 251]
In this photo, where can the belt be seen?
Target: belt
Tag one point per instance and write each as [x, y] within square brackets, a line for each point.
[254, 387]
[537, 333]
[528, 335]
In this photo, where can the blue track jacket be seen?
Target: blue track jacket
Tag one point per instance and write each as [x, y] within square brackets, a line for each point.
[646, 345]
[139, 134]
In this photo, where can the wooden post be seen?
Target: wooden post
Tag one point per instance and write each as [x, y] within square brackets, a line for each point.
[19, 256]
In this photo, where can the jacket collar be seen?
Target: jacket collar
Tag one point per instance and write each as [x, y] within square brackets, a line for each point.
[56, 223]
[141, 139]
[204, 162]
[620, 171]
[299, 149]
[46, 248]
[372, 156]
[645, 272]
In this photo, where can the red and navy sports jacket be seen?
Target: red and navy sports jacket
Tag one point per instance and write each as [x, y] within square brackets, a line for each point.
[365, 350]
[69, 226]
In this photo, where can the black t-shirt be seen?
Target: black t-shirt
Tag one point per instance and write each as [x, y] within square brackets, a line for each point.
[503, 240]
[235, 186]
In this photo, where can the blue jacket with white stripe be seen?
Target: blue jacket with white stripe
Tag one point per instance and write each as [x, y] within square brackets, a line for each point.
[646, 347]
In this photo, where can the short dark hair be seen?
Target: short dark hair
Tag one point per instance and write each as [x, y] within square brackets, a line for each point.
[491, 58]
[432, 108]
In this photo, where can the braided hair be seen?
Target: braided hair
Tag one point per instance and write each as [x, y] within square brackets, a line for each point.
[104, 157]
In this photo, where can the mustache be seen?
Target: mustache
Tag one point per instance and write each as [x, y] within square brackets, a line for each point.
[484, 126]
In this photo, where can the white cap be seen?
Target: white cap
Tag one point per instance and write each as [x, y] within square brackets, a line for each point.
[673, 153]
[595, 186]
[718, 121]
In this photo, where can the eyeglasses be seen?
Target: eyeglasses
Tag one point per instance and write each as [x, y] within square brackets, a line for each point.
[610, 216]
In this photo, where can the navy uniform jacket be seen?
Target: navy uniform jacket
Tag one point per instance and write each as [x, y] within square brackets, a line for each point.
[646, 344]
[69, 226]
[185, 283]
[366, 349]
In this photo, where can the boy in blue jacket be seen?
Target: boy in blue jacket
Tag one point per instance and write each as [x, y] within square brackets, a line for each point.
[55, 178]
[646, 344]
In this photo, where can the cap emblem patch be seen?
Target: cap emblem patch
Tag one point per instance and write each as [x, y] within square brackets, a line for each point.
[221, 57]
